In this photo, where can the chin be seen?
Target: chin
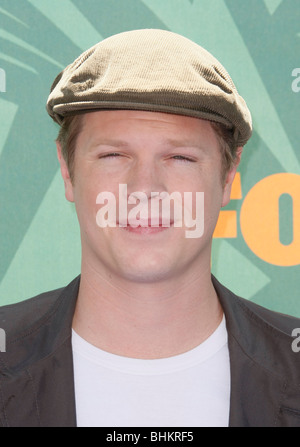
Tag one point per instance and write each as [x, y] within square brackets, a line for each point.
[147, 272]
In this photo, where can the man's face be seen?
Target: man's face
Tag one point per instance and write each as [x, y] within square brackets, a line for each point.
[148, 152]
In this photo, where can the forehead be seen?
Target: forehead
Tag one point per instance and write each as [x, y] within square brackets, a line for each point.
[132, 124]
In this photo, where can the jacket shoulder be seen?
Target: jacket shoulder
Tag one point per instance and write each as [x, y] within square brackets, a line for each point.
[282, 322]
[261, 316]
[15, 317]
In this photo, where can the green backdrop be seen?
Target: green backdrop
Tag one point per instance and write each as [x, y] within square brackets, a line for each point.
[258, 41]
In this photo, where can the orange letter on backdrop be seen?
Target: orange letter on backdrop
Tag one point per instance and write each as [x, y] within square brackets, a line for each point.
[259, 219]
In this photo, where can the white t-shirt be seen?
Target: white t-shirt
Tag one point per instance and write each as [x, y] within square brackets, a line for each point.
[187, 390]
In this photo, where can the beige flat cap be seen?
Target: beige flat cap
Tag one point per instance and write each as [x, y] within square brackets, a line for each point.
[151, 70]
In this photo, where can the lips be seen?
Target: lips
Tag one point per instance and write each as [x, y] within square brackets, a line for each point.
[154, 222]
[146, 227]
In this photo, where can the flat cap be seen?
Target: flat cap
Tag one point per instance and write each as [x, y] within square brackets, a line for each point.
[151, 70]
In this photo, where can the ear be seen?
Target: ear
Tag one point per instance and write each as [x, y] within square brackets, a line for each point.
[65, 174]
[230, 177]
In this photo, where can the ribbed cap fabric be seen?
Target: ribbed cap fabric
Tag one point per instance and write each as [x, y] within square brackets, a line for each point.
[151, 70]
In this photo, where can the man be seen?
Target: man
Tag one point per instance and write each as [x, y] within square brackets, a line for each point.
[146, 336]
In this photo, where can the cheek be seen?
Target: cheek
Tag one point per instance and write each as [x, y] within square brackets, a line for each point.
[201, 206]
[85, 194]
[210, 187]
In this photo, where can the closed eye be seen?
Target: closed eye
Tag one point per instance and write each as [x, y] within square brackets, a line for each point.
[183, 158]
[111, 154]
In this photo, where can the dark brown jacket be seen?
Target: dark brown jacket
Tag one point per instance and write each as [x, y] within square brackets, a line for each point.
[36, 371]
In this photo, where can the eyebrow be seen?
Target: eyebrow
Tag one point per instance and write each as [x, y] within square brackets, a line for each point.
[182, 143]
[168, 142]
[110, 142]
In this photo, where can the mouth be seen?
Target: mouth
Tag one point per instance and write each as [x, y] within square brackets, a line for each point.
[149, 226]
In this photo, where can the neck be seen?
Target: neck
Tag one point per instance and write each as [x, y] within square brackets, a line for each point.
[146, 320]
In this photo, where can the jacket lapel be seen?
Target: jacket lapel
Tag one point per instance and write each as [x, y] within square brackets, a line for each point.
[255, 393]
[37, 383]
[41, 396]
[262, 366]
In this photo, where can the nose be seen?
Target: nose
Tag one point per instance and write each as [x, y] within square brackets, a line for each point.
[145, 177]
